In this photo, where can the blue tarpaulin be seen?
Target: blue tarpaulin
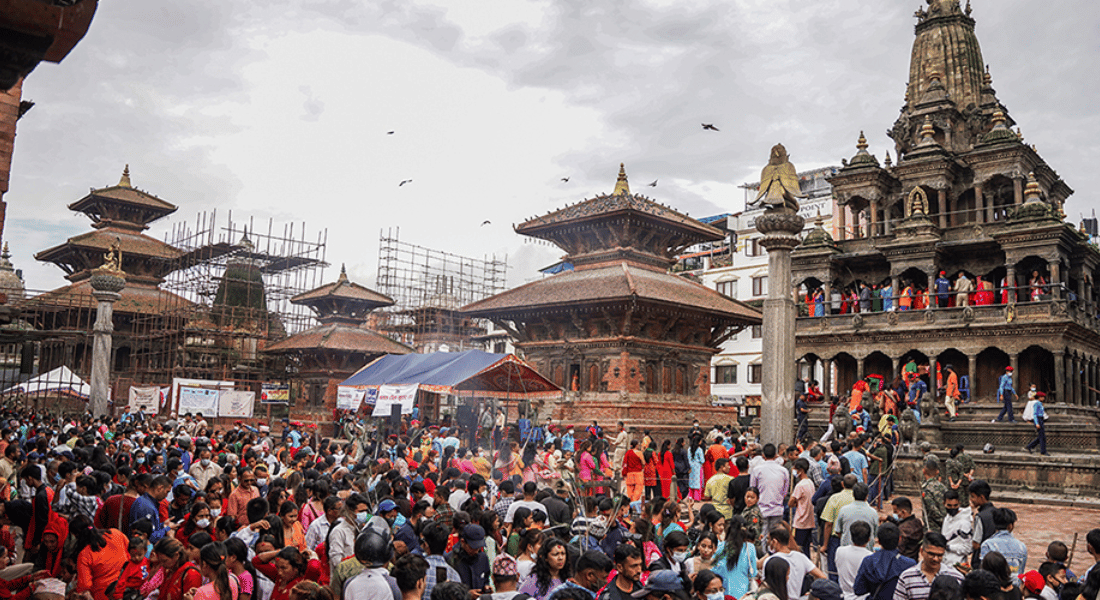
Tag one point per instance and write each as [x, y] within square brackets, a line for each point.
[472, 372]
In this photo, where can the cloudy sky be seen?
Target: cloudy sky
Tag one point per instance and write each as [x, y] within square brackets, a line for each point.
[280, 109]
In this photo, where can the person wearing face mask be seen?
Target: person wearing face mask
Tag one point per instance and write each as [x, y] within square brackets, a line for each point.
[675, 556]
[199, 519]
[340, 541]
[204, 469]
[708, 586]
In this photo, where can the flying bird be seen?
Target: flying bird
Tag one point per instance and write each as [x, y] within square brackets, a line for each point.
[565, 179]
[389, 133]
[709, 127]
[404, 182]
[654, 184]
[484, 223]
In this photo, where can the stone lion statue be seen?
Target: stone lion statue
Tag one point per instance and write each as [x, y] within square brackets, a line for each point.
[842, 423]
[908, 427]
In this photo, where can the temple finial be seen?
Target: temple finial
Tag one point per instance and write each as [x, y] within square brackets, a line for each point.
[125, 180]
[1032, 192]
[927, 132]
[621, 186]
[862, 143]
[343, 274]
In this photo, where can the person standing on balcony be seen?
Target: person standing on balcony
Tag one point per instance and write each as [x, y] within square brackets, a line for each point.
[864, 298]
[1006, 393]
[943, 286]
[963, 287]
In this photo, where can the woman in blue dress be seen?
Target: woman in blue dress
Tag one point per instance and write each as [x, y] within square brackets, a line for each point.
[696, 457]
[735, 561]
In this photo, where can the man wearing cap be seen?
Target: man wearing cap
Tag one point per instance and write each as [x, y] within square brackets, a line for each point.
[824, 589]
[1006, 393]
[662, 585]
[469, 560]
[943, 286]
[505, 578]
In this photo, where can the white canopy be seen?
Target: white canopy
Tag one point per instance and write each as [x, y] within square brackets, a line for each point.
[58, 381]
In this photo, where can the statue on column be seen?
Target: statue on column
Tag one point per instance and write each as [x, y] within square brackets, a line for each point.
[779, 186]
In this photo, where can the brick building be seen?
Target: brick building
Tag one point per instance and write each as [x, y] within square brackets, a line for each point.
[625, 338]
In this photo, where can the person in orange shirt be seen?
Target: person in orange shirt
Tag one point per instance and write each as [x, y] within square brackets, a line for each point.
[100, 556]
[715, 452]
[633, 472]
[238, 498]
[856, 400]
[952, 392]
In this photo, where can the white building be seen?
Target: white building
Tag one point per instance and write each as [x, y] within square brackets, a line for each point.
[738, 268]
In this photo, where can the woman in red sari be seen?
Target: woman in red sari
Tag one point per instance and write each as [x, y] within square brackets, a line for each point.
[666, 469]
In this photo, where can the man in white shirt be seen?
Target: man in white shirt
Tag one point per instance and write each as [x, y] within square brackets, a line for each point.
[318, 528]
[849, 558]
[529, 492]
[958, 528]
[773, 481]
[779, 541]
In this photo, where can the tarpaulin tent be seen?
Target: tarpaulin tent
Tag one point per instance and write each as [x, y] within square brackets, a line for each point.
[469, 373]
[58, 381]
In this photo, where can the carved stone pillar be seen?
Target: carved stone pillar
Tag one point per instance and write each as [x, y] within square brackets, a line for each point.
[1018, 189]
[1075, 381]
[859, 368]
[842, 222]
[106, 285]
[1014, 360]
[983, 214]
[872, 221]
[1010, 282]
[1060, 376]
[972, 374]
[933, 386]
[780, 227]
[895, 290]
[943, 209]
[1055, 268]
[827, 378]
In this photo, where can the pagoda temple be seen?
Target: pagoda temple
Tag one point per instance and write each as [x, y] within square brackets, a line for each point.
[334, 350]
[119, 213]
[629, 340]
[968, 200]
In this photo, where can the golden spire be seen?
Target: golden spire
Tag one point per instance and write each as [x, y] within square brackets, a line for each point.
[621, 186]
[889, 162]
[999, 119]
[1032, 193]
[1020, 134]
[927, 131]
[862, 143]
[987, 77]
[125, 181]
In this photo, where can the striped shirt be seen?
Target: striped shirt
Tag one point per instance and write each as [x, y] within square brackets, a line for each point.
[913, 585]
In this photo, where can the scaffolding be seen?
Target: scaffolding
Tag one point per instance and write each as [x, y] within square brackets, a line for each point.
[226, 298]
[428, 287]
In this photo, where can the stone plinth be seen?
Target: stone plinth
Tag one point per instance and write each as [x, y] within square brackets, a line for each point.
[780, 227]
[106, 285]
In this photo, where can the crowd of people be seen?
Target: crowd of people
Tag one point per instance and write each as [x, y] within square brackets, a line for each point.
[913, 295]
[132, 509]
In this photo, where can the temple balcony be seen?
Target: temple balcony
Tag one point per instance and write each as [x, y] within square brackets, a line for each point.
[1023, 313]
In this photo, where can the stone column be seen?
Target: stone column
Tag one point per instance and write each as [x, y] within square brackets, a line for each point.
[827, 378]
[972, 375]
[983, 213]
[842, 222]
[933, 387]
[1014, 360]
[1010, 281]
[860, 373]
[781, 227]
[1075, 382]
[872, 221]
[895, 290]
[1018, 189]
[943, 209]
[1055, 279]
[106, 285]
[1060, 376]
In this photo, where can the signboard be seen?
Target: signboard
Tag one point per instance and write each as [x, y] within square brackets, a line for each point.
[371, 397]
[349, 398]
[173, 400]
[388, 395]
[145, 399]
[236, 404]
[275, 393]
[199, 401]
